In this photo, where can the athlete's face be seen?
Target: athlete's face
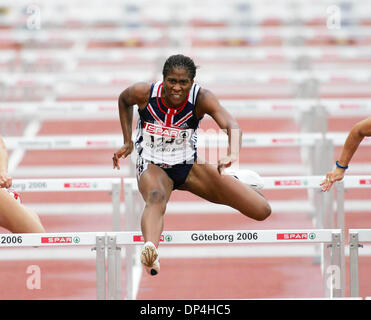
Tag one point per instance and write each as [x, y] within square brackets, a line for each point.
[177, 84]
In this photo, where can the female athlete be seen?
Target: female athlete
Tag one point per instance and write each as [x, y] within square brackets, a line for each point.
[169, 114]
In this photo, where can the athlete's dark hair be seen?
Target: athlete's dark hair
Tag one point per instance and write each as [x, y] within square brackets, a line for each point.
[179, 60]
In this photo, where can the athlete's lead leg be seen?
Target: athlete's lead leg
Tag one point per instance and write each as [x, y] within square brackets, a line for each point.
[205, 181]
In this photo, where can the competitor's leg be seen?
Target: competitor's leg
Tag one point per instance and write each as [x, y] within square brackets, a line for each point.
[17, 218]
[205, 181]
[155, 187]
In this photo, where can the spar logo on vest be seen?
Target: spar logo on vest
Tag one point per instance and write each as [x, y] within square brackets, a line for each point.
[161, 131]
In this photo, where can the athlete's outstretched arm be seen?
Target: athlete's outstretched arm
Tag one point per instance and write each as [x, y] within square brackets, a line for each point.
[5, 179]
[207, 103]
[355, 137]
[136, 94]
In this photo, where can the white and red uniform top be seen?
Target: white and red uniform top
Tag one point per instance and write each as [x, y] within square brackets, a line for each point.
[168, 135]
[14, 194]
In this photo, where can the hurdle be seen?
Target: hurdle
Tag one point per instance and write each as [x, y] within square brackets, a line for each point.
[151, 55]
[331, 237]
[134, 206]
[107, 244]
[317, 141]
[285, 77]
[111, 185]
[153, 36]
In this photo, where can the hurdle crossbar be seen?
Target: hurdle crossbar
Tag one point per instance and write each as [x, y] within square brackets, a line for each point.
[285, 77]
[108, 109]
[153, 54]
[232, 236]
[70, 142]
[152, 34]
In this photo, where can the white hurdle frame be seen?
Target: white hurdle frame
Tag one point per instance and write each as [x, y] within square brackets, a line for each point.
[112, 185]
[331, 237]
[317, 164]
[133, 213]
[111, 241]
[278, 108]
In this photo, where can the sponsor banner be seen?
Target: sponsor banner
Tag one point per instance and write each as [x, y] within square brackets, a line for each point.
[350, 106]
[60, 239]
[296, 236]
[282, 107]
[365, 181]
[293, 182]
[98, 143]
[56, 239]
[284, 140]
[139, 238]
[78, 185]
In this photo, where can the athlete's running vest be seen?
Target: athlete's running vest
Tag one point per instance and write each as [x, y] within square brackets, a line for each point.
[166, 135]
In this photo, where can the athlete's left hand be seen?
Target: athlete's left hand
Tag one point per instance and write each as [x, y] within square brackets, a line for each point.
[226, 162]
[123, 152]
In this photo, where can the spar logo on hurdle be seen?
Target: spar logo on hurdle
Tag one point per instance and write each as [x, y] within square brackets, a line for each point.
[60, 239]
[290, 182]
[296, 236]
[91, 143]
[79, 185]
[286, 140]
[163, 238]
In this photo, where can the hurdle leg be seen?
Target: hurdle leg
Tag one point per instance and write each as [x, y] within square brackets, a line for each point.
[340, 224]
[334, 282]
[113, 269]
[129, 250]
[353, 264]
[133, 211]
[116, 217]
[322, 202]
[101, 267]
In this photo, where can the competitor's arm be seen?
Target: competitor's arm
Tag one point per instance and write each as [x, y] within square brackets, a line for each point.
[207, 103]
[136, 94]
[355, 137]
[5, 179]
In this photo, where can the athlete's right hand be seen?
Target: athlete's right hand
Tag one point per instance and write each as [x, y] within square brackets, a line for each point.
[123, 152]
[5, 180]
[331, 178]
